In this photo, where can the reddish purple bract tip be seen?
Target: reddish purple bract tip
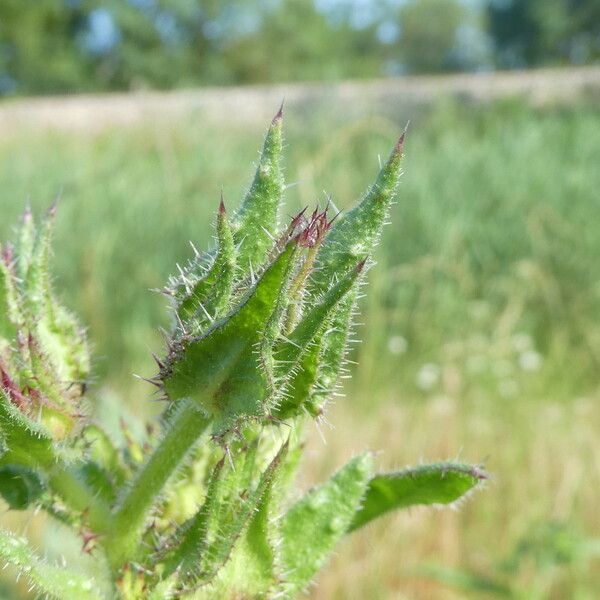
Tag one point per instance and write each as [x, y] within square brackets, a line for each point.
[361, 265]
[315, 229]
[399, 147]
[279, 116]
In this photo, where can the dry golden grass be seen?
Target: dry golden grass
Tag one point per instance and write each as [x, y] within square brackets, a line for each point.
[545, 463]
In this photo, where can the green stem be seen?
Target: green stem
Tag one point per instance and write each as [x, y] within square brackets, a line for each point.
[123, 535]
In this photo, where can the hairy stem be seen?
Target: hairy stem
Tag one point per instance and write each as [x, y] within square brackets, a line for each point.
[132, 511]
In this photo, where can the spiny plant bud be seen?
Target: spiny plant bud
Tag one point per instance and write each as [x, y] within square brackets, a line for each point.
[201, 507]
[44, 360]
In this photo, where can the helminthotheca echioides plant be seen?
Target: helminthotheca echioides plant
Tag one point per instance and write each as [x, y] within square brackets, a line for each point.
[260, 329]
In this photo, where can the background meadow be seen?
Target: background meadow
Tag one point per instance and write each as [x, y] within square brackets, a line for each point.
[481, 327]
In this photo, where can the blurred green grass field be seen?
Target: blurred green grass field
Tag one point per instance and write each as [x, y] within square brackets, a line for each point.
[481, 326]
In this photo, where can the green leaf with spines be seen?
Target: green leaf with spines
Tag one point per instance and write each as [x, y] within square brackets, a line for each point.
[209, 295]
[299, 388]
[438, 483]
[221, 370]
[315, 319]
[299, 354]
[332, 355]
[313, 526]
[255, 223]
[55, 582]
[354, 234]
[207, 540]
[252, 567]
[27, 441]
[188, 541]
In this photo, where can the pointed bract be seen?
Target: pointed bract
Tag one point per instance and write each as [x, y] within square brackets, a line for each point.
[256, 221]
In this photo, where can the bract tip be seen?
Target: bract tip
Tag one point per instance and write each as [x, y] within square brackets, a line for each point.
[279, 116]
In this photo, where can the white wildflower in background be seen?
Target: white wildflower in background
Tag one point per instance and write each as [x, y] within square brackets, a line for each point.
[397, 344]
[522, 342]
[530, 360]
[428, 376]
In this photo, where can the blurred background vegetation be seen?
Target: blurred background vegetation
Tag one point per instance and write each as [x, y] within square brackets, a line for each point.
[64, 46]
[481, 326]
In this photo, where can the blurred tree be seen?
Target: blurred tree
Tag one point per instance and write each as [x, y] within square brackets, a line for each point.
[164, 43]
[542, 32]
[39, 46]
[296, 41]
[429, 31]
[57, 46]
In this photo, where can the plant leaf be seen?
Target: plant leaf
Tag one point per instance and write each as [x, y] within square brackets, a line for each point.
[300, 353]
[221, 370]
[56, 582]
[252, 566]
[313, 526]
[208, 538]
[255, 222]
[211, 292]
[314, 320]
[439, 483]
[353, 235]
[19, 486]
[26, 441]
[58, 332]
[356, 232]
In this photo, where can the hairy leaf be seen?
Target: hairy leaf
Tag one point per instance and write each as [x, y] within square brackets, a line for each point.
[208, 297]
[255, 223]
[56, 582]
[354, 234]
[252, 567]
[221, 370]
[313, 526]
[208, 538]
[439, 483]
[19, 486]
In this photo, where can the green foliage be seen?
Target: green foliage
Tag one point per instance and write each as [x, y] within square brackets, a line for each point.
[442, 483]
[313, 526]
[430, 30]
[55, 582]
[19, 486]
[260, 330]
[541, 32]
[69, 46]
